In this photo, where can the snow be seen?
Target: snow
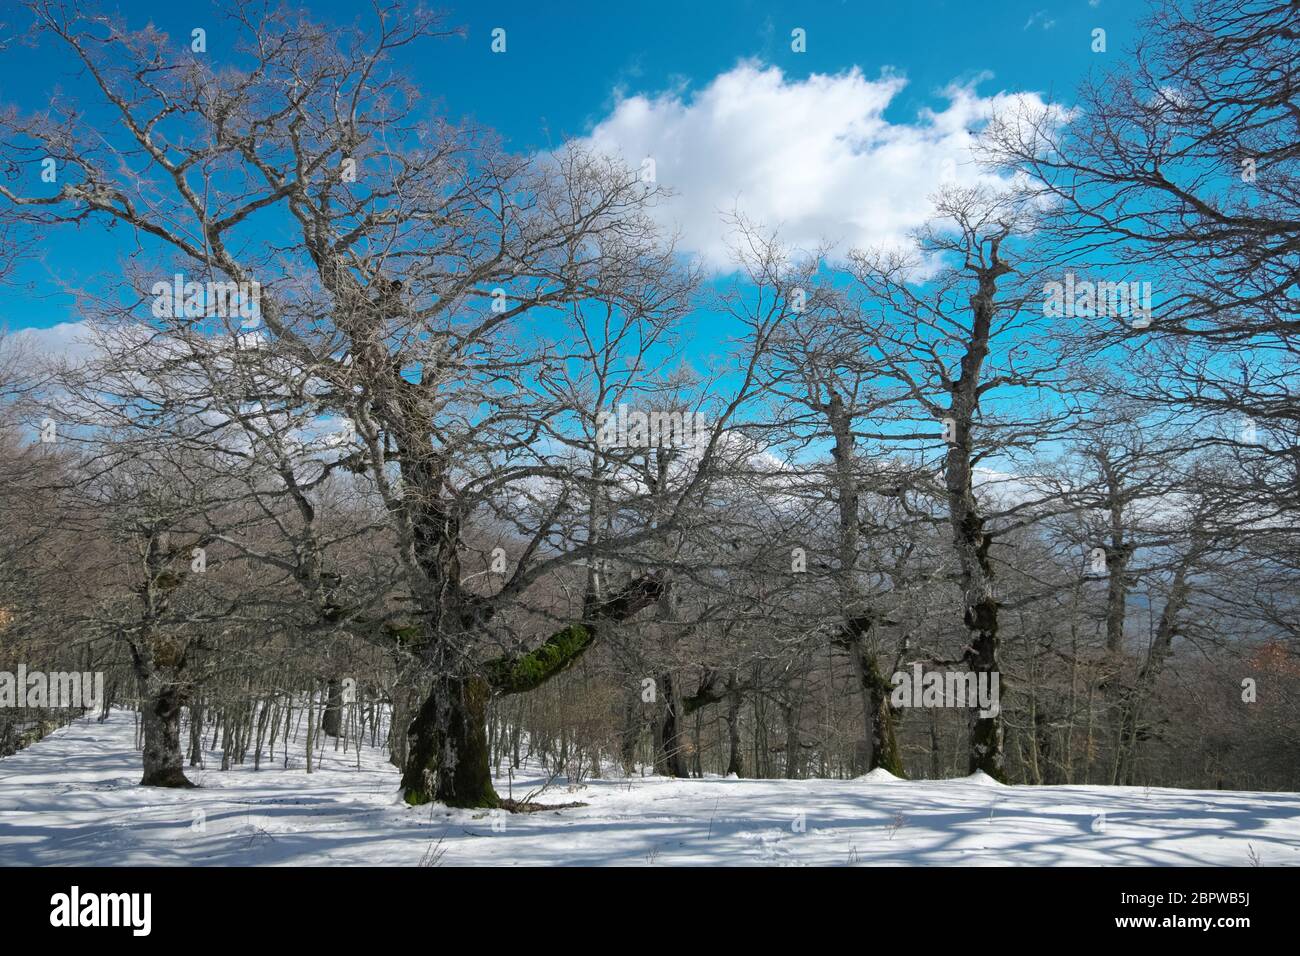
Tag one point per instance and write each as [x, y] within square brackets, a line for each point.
[879, 775]
[981, 779]
[72, 799]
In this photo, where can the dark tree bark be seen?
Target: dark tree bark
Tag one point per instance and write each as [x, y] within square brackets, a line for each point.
[880, 718]
[632, 728]
[669, 753]
[196, 733]
[971, 541]
[735, 755]
[884, 744]
[670, 736]
[1118, 552]
[856, 631]
[332, 720]
[448, 757]
[161, 718]
[793, 743]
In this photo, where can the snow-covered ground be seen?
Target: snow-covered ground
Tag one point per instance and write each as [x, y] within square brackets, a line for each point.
[72, 799]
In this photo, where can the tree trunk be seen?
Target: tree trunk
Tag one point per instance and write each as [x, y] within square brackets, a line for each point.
[884, 744]
[161, 716]
[971, 540]
[793, 746]
[669, 757]
[936, 748]
[1149, 674]
[263, 717]
[226, 735]
[880, 717]
[631, 733]
[332, 720]
[986, 733]
[311, 722]
[196, 734]
[398, 742]
[735, 759]
[448, 756]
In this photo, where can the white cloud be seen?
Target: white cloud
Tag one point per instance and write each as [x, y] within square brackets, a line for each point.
[67, 340]
[815, 157]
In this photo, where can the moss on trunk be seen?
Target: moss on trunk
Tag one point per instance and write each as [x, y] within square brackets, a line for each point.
[518, 675]
[448, 758]
[884, 742]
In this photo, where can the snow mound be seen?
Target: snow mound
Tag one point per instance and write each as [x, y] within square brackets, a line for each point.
[982, 779]
[879, 775]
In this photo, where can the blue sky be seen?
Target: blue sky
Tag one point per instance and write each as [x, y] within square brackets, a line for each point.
[573, 69]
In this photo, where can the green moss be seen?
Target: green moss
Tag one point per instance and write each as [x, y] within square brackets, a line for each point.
[887, 755]
[516, 675]
[484, 801]
[404, 635]
[884, 751]
[416, 798]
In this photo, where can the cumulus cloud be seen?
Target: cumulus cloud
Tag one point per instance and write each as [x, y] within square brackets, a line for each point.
[816, 157]
[67, 340]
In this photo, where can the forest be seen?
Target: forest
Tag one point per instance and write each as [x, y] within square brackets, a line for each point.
[383, 433]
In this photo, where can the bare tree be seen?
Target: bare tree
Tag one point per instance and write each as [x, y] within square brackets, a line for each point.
[955, 346]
